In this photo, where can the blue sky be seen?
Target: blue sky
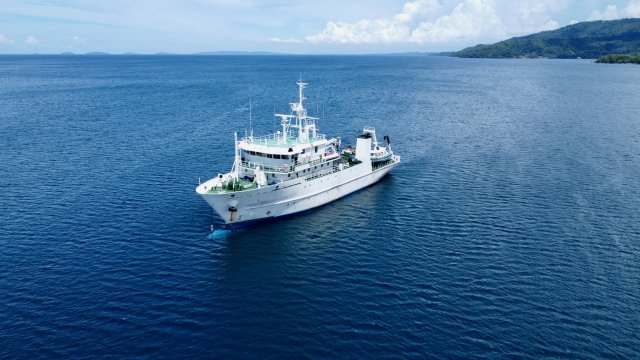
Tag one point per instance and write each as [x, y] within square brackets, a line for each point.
[326, 26]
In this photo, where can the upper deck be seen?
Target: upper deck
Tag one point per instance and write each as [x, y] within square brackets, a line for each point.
[277, 140]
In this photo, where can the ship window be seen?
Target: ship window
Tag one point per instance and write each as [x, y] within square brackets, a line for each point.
[316, 149]
[286, 157]
[302, 151]
[252, 152]
[289, 174]
[269, 156]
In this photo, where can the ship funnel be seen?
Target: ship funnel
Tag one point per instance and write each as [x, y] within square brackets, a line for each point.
[363, 148]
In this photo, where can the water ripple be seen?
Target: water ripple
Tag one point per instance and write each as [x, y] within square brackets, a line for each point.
[509, 230]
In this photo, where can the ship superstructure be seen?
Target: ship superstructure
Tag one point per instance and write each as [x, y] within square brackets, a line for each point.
[294, 169]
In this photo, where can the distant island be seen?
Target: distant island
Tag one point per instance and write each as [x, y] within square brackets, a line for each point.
[587, 40]
[619, 59]
[103, 53]
[237, 53]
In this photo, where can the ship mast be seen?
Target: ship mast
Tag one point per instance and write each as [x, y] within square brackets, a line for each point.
[236, 161]
[301, 86]
[305, 124]
[298, 108]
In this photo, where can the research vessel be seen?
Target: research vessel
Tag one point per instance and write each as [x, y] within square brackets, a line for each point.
[294, 169]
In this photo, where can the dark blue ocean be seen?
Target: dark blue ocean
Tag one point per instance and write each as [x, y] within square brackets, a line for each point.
[510, 230]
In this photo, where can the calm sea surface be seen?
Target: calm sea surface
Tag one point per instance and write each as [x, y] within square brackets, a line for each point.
[511, 229]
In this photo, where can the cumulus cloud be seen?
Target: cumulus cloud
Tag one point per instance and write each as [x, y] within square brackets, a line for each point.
[4, 39]
[612, 12]
[32, 40]
[440, 21]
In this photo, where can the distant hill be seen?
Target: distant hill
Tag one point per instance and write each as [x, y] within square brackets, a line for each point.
[588, 40]
[237, 53]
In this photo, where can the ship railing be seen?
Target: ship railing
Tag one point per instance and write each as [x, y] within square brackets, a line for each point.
[275, 139]
[324, 159]
[232, 185]
[386, 156]
[391, 161]
[320, 174]
[381, 156]
[268, 168]
[287, 168]
[272, 137]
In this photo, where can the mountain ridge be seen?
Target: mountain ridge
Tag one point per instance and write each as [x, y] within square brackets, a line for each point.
[589, 40]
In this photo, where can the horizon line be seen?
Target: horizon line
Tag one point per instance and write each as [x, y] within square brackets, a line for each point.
[229, 53]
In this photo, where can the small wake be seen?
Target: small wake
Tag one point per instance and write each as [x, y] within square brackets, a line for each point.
[222, 233]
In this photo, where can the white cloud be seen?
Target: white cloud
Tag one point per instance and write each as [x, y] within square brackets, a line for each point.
[612, 12]
[364, 31]
[77, 40]
[285, 41]
[467, 19]
[32, 40]
[4, 39]
[447, 21]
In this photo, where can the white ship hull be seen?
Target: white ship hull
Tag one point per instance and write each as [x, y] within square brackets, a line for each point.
[289, 197]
